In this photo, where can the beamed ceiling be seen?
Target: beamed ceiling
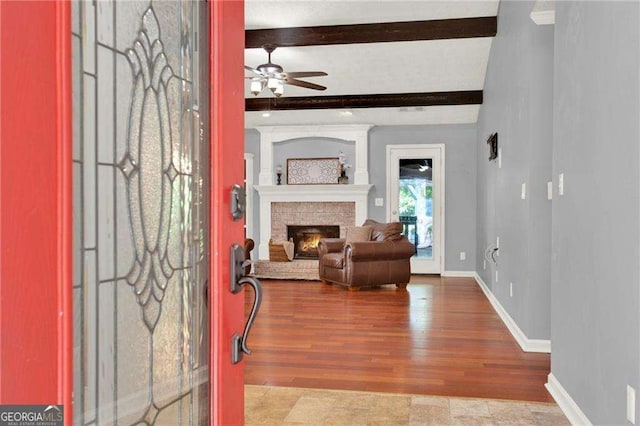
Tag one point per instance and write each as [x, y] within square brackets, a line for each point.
[388, 62]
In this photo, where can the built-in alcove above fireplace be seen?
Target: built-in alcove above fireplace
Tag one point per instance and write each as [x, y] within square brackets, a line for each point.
[306, 238]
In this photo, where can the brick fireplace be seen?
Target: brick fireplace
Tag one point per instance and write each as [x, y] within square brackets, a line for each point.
[306, 238]
[342, 205]
[285, 214]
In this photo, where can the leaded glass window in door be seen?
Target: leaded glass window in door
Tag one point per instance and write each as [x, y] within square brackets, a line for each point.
[140, 212]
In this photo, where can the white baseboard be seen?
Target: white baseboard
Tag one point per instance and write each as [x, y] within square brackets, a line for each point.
[470, 274]
[566, 403]
[527, 345]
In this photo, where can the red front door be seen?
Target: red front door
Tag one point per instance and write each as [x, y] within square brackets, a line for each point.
[36, 279]
[35, 203]
[227, 169]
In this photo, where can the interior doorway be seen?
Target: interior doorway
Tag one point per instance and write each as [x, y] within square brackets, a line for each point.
[415, 188]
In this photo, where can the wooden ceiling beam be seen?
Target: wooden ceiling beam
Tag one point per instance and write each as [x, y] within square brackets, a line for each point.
[373, 33]
[387, 100]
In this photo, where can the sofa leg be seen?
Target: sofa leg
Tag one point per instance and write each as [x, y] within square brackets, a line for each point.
[402, 285]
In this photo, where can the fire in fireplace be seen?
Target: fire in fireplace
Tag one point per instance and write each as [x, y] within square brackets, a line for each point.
[306, 238]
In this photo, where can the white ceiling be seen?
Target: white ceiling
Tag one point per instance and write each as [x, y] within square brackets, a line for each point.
[373, 68]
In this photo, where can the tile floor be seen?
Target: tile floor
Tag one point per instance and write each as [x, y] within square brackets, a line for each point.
[267, 405]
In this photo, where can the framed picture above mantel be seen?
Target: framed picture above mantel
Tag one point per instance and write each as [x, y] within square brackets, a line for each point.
[313, 171]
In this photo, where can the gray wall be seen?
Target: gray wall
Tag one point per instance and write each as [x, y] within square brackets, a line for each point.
[595, 320]
[460, 174]
[460, 197]
[518, 105]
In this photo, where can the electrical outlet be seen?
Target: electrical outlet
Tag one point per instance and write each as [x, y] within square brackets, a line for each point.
[496, 276]
[523, 191]
[631, 404]
[561, 184]
[484, 264]
[499, 158]
[549, 190]
[510, 289]
[379, 202]
[463, 255]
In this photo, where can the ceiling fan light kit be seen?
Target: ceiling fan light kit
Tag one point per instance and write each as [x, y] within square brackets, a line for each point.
[257, 85]
[273, 76]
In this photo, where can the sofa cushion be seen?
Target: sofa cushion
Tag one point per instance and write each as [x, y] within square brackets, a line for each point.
[357, 234]
[333, 260]
[385, 231]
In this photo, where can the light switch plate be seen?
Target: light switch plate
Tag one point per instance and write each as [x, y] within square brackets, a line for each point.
[561, 184]
[523, 191]
[463, 255]
[499, 158]
[549, 190]
[379, 202]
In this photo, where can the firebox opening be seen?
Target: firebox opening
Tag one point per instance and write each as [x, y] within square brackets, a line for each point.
[306, 238]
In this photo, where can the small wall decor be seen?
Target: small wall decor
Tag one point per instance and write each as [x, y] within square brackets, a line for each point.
[342, 159]
[493, 146]
[312, 171]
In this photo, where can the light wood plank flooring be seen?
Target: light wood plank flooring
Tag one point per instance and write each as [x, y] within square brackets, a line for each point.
[439, 337]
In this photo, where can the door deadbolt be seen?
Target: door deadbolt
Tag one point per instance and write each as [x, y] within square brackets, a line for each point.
[238, 202]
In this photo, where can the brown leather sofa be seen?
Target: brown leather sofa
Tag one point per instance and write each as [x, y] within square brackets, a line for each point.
[382, 260]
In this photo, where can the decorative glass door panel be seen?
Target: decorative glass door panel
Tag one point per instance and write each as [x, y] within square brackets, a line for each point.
[140, 90]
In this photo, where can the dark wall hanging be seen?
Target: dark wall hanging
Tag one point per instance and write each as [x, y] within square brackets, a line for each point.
[493, 146]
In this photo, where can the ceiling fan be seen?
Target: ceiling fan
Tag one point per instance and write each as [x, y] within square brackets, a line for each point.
[273, 76]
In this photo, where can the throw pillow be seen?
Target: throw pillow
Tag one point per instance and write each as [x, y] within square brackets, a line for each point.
[385, 231]
[356, 234]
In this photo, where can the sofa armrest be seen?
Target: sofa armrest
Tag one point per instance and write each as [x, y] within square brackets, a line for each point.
[379, 250]
[330, 245]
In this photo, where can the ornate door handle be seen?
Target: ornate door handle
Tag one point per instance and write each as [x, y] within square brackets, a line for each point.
[238, 280]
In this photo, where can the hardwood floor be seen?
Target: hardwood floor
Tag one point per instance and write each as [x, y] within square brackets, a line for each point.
[439, 337]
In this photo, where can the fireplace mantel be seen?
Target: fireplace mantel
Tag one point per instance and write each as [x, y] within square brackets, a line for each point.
[335, 192]
[357, 194]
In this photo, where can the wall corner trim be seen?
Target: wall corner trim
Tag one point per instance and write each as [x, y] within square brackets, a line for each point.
[527, 345]
[544, 12]
[566, 403]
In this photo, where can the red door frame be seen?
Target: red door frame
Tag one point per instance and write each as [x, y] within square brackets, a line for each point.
[227, 168]
[36, 335]
[35, 204]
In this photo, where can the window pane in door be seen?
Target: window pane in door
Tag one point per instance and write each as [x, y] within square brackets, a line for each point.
[416, 203]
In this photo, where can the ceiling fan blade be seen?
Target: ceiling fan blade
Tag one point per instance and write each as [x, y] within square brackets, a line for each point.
[305, 84]
[305, 74]
[253, 70]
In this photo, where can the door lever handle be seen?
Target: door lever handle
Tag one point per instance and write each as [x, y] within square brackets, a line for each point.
[239, 343]
[238, 280]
